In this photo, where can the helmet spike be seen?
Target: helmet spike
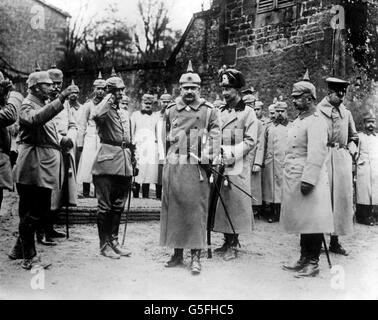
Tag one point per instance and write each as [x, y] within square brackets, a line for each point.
[306, 77]
[190, 67]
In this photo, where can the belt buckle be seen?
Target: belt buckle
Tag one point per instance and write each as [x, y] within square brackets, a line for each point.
[337, 145]
[123, 145]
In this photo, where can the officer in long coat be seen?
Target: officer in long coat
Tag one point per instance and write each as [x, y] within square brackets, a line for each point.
[112, 169]
[38, 168]
[192, 125]
[306, 201]
[88, 141]
[239, 136]
[342, 145]
[165, 100]
[275, 145]
[367, 172]
[145, 140]
[257, 159]
[10, 102]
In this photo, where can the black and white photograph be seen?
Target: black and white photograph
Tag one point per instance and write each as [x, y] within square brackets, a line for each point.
[176, 150]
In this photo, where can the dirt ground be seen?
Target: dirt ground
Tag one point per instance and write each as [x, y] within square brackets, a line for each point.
[80, 272]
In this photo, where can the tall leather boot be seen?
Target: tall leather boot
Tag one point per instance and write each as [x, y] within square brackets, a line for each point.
[313, 246]
[145, 190]
[159, 188]
[231, 252]
[16, 252]
[86, 189]
[116, 220]
[226, 244]
[336, 247]
[136, 189]
[177, 259]
[195, 264]
[303, 260]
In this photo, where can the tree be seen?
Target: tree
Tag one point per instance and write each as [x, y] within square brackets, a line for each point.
[157, 40]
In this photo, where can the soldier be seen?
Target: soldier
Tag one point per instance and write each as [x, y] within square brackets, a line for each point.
[186, 193]
[66, 125]
[112, 169]
[10, 102]
[342, 144]
[275, 144]
[367, 172]
[306, 201]
[145, 140]
[257, 160]
[239, 137]
[38, 168]
[125, 102]
[88, 141]
[165, 100]
[272, 113]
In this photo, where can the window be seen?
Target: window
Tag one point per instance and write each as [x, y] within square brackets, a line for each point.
[269, 5]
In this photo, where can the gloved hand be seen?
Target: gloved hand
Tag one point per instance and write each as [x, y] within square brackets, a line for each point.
[228, 157]
[5, 87]
[306, 188]
[66, 143]
[256, 168]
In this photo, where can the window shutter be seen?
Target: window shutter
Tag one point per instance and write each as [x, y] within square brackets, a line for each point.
[265, 5]
[284, 3]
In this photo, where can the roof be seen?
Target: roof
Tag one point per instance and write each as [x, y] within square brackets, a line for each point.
[60, 11]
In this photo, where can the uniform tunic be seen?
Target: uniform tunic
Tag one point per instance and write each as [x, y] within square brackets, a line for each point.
[239, 134]
[367, 169]
[185, 197]
[89, 140]
[66, 127]
[145, 140]
[39, 161]
[275, 144]
[305, 161]
[258, 160]
[8, 116]
[341, 131]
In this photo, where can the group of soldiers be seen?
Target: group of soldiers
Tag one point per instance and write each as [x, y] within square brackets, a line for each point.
[215, 166]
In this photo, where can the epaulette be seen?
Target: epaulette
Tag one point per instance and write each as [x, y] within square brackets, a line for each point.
[171, 105]
[208, 104]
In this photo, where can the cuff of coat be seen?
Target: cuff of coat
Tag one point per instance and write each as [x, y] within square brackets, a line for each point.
[239, 151]
[15, 99]
[311, 173]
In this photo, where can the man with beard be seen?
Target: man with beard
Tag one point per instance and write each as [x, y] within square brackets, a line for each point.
[165, 100]
[67, 131]
[10, 102]
[88, 141]
[113, 167]
[145, 140]
[367, 172]
[257, 160]
[275, 142]
[192, 125]
[239, 137]
[306, 201]
[342, 145]
[38, 170]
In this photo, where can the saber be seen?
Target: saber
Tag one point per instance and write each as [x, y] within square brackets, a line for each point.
[67, 224]
[127, 211]
[223, 176]
[326, 251]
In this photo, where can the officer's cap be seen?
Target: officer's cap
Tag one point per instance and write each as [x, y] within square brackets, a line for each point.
[280, 106]
[232, 78]
[166, 96]
[337, 85]
[250, 90]
[370, 115]
[249, 99]
[37, 78]
[55, 74]
[272, 107]
[259, 104]
[190, 78]
[125, 99]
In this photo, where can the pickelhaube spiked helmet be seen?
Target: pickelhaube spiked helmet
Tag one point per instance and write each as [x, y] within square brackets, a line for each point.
[99, 82]
[190, 78]
[55, 74]
[114, 81]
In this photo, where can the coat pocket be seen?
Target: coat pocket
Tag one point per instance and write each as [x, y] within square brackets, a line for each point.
[105, 157]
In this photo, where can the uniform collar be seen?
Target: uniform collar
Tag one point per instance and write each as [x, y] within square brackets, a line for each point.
[369, 133]
[284, 123]
[306, 113]
[239, 107]
[35, 99]
[194, 105]
[325, 107]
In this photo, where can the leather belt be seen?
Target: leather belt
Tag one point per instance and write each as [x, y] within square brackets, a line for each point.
[336, 145]
[123, 144]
